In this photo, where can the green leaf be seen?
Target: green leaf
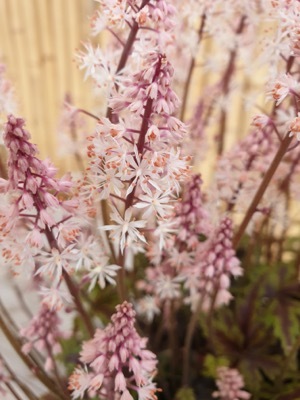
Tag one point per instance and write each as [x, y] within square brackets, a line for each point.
[185, 394]
[211, 363]
[283, 294]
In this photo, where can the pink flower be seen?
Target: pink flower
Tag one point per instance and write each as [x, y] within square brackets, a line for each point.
[32, 179]
[210, 282]
[192, 217]
[126, 226]
[282, 86]
[54, 263]
[230, 383]
[294, 127]
[43, 333]
[118, 359]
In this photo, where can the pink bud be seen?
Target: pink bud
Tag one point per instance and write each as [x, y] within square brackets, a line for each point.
[120, 381]
[46, 218]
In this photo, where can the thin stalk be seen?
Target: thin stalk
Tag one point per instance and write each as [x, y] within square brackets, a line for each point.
[225, 88]
[262, 188]
[36, 357]
[106, 222]
[77, 155]
[13, 392]
[191, 70]
[21, 385]
[3, 171]
[122, 292]
[173, 338]
[40, 374]
[114, 118]
[56, 372]
[188, 342]
[76, 296]
[72, 288]
[22, 301]
[130, 198]
[124, 56]
[81, 110]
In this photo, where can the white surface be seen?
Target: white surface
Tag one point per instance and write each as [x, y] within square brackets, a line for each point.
[10, 301]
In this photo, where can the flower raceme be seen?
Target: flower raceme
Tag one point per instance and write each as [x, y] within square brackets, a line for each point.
[116, 362]
[44, 334]
[30, 177]
[230, 384]
[209, 280]
[142, 167]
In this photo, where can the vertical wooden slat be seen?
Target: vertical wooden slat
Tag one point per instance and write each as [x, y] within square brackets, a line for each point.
[38, 43]
[32, 96]
[17, 57]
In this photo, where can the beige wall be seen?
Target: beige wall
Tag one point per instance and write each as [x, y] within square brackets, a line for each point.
[38, 40]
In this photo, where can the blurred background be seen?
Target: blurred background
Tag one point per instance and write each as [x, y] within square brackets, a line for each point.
[38, 42]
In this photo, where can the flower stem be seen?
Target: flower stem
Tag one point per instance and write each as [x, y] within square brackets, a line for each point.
[72, 288]
[188, 342]
[75, 293]
[15, 343]
[125, 54]
[225, 84]
[190, 73]
[12, 390]
[29, 393]
[262, 188]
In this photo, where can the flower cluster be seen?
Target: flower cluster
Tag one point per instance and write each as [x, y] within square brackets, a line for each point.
[230, 385]
[176, 257]
[43, 334]
[137, 224]
[33, 180]
[141, 166]
[210, 282]
[118, 361]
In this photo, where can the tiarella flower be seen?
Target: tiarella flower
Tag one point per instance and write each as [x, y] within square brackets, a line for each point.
[54, 263]
[43, 333]
[164, 231]
[294, 127]
[167, 287]
[174, 266]
[117, 360]
[230, 385]
[31, 183]
[142, 166]
[54, 298]
[282, 86]
[238, 170]
[113, 14]
[217, 265]
[102, 274]
[79, 383]
[261, 120]
[125, 226]
[157, 202]
[99, 66]
[147, 308]
[192, 217]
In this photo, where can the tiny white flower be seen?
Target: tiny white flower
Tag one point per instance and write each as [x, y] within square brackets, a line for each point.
[55, 262]
[103, 274]
[125, 227]
[157, 202]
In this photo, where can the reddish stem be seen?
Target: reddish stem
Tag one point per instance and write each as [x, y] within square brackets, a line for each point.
[262, 188]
